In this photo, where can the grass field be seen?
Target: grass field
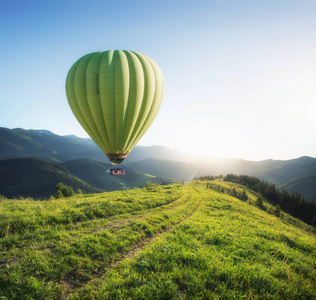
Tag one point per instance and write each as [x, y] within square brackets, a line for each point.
[159, 242]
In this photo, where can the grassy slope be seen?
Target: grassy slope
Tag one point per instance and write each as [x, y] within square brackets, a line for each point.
[169, 242]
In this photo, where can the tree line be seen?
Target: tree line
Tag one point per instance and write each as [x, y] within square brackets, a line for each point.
[294, 203]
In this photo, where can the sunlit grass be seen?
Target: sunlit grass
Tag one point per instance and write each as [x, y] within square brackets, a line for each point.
[171, 242]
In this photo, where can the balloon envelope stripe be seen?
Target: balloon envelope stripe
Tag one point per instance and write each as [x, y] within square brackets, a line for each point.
[73, 101]
[82, 95]
[107, 96]
[148, 97]
[156, 104]
[134, 100]
[121, 76]
[93, 99]
[152, 112]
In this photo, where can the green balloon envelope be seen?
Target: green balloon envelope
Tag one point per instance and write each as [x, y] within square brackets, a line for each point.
[115, 96]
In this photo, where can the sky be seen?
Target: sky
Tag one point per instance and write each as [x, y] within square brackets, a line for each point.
[240, 76]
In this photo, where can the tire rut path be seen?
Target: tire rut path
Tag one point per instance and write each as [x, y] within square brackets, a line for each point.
[137, 248]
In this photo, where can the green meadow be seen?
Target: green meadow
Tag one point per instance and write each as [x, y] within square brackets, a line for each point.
[158, 242]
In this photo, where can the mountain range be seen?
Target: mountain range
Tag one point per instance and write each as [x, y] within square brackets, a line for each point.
[82, 159]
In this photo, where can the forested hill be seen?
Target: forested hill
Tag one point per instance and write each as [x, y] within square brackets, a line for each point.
[32, 177]
[305, 186]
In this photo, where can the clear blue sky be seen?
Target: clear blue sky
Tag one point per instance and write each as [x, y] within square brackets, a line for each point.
[240, 76]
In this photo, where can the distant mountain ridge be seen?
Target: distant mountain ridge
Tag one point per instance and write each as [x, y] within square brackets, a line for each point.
[273, 171]
[283, 171]
[155, 160]
[305, 186]
[18, 143]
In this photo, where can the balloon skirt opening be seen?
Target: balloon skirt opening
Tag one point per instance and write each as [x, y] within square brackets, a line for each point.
[116, 159]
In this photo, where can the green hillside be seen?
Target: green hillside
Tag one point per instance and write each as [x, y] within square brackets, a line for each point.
[159, 242]
[32, 177]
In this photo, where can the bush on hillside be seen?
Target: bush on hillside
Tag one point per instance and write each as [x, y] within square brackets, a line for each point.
[244, 195]
[259, 202]
[149, 184]
[234, 192]
[277, 210]
[62, 190]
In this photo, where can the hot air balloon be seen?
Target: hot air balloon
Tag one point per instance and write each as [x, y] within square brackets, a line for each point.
[115, 96]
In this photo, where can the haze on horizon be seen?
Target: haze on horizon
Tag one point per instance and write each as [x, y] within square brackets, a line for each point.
[239, 75]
